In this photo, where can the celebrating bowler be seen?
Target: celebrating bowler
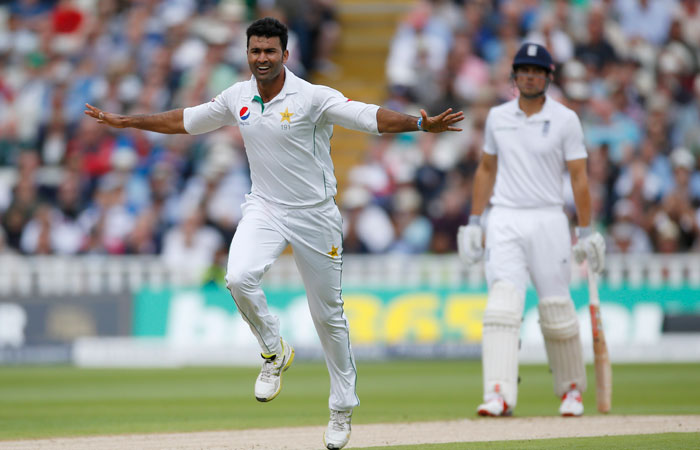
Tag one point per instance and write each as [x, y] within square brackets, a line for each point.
[286, 124]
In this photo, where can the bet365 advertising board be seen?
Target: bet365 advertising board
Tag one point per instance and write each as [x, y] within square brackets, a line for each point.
[396, 317]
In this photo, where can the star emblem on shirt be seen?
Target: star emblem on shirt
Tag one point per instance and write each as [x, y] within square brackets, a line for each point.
[286, 115]
[334, 251]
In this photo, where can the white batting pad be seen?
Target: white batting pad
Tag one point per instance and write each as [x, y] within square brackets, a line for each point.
[560, 329]
[502, 320]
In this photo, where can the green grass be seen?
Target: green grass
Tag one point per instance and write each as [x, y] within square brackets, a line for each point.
[40, 402]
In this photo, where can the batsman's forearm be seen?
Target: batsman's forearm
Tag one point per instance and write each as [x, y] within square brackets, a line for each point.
[582, 199]
[169, 122]
[484, 179]
[389, 121]
[579, 185]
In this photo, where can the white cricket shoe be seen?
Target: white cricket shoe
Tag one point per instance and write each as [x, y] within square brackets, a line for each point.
[269, 382]
[494, 406]
[571, 404]
[337, 434]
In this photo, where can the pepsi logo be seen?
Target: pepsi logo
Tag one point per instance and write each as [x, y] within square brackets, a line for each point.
[244, 113]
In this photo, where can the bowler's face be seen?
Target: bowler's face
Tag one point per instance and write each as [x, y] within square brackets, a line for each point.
[530, 79]
[265, 57]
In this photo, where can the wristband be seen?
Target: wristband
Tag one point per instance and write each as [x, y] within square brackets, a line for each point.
[420, 125]
[474, 219]
[582, 232]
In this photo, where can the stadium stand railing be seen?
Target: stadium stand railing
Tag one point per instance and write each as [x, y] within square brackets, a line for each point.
[94, 274]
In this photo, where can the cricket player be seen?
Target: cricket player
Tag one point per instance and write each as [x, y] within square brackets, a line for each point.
[529, 143]
[286, 124]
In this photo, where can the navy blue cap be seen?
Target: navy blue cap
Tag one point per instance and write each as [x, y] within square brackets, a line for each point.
[533, 55]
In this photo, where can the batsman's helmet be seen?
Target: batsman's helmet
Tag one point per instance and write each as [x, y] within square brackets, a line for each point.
[533, 55]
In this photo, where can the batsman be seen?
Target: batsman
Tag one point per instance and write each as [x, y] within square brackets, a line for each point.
[529, 143]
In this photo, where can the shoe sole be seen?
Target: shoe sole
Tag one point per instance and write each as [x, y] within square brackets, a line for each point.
[279, 389]
[331, 446]
[571, 415]
[485, 413]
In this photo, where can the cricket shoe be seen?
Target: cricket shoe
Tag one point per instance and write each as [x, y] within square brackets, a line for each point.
[269, 382]
[494, 406]
[337, 434]
[571, 404]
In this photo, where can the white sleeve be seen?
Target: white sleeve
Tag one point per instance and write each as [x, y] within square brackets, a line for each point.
[489, 140]
[208, 116]
[574, 147]
[333, 107]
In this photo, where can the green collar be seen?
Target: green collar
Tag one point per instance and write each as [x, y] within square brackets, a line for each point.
[259, 100]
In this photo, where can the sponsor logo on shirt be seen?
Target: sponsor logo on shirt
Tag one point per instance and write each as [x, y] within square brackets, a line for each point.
[244, 113]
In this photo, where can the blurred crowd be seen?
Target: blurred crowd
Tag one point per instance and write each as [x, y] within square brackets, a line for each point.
[68, 185]
[629, 68]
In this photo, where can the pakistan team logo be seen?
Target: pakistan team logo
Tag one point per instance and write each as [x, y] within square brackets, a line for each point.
[286, 117]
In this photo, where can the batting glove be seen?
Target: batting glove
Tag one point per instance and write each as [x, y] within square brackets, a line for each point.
[470, 241]
[591, 247]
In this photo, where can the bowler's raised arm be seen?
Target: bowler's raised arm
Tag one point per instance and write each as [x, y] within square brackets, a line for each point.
[169, 122]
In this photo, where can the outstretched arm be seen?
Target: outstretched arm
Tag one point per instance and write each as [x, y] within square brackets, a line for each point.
[169, 122]
[389, 121]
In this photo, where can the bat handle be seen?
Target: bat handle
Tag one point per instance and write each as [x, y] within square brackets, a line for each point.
[593, 298]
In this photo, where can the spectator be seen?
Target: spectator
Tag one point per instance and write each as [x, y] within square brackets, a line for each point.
[4, 249]
[366, 227]
[220, 187]
[472, 73]
[189, 249]
[142, 239]
[49, 232]
[108, 220]
[550, 35]
[419, 48]
[649, 20]
[626, 236]
[595, 51]
[688, 13]
[448, 214]
[627, 67]
[677, 203]
[413, 230]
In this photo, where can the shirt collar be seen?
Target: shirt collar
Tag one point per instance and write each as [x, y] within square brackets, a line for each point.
[545, 113]
[291, 85]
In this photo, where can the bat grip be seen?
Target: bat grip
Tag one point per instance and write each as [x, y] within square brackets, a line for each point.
[593, 298]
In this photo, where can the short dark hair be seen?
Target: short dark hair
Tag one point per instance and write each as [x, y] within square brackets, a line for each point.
[268, 27]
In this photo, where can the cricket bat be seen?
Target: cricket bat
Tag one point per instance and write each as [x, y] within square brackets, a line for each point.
[603, 369]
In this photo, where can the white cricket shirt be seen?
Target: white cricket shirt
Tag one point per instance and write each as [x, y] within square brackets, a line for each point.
[287, 140]
[532, 153]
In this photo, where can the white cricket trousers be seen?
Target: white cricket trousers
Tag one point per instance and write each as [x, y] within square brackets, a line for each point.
[523, 244]
[315, 234]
